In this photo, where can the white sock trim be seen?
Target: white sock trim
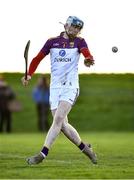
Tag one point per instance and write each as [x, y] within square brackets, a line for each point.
[43, 154]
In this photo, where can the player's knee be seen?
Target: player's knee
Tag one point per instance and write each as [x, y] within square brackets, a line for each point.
[58, 119]
[64, 125]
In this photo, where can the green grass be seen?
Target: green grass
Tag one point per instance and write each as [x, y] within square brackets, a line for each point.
[106, 102]
[114, 150]
[105, 106]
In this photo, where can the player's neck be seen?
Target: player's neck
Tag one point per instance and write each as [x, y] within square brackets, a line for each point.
[65, 35]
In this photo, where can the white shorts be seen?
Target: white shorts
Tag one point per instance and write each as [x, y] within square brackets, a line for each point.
[62, 94]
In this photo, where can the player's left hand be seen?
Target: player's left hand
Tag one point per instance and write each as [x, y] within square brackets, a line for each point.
[88, 62]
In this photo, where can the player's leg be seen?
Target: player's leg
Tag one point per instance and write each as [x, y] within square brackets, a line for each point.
[58, 118]
[60, 114]
[1, 121]
[71, 133]
[9, 121]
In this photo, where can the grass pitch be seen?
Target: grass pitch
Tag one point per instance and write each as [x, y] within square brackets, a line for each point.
[65, 161]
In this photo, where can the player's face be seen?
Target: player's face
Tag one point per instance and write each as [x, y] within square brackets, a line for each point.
[73, 30]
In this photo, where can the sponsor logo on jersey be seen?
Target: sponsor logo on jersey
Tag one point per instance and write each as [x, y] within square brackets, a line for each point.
[62, 53]
[56, 44]
[71, 44]
[62, 59]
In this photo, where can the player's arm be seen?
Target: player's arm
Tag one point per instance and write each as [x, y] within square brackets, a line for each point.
[88, 61]
[33, 66]
[36, 60]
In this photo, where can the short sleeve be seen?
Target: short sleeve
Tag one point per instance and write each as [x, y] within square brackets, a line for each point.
[82, 44]
[46, 47]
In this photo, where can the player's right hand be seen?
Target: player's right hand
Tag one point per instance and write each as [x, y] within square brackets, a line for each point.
[88, 62]
[25, 81]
